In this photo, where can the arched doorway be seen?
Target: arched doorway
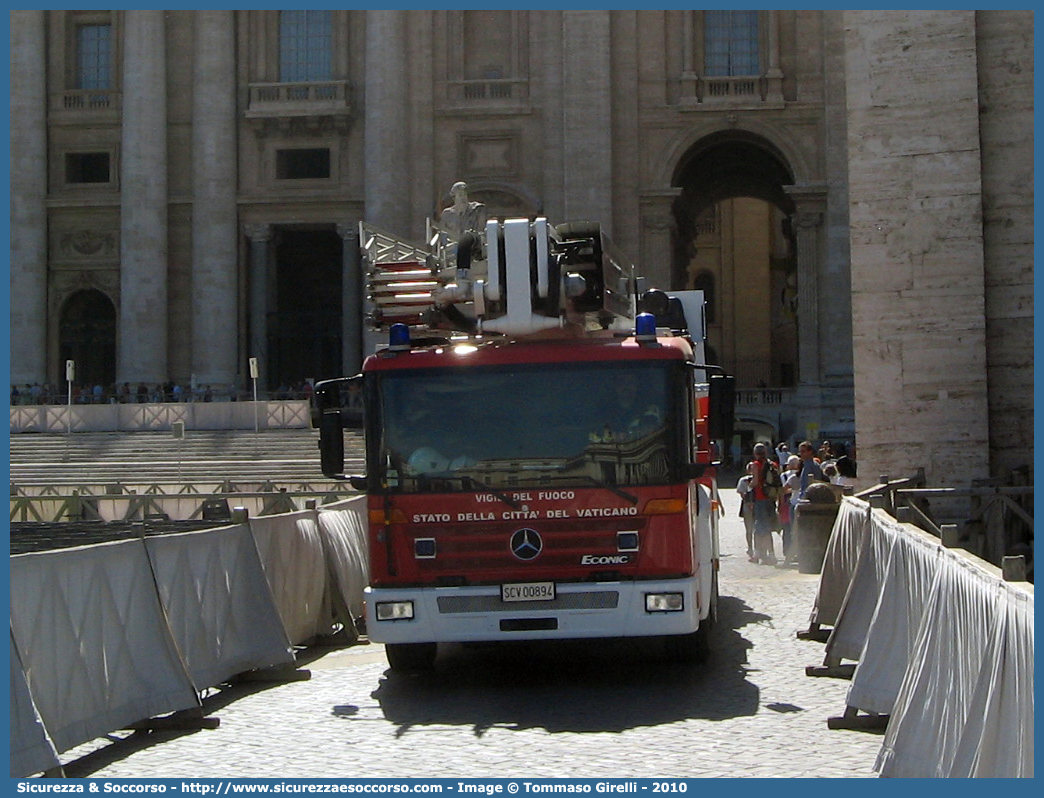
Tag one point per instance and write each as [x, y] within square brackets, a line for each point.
[733, 235]
[87, 336]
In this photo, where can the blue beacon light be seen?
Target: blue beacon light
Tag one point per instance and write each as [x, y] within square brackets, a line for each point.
[399, 337]
[645, 327]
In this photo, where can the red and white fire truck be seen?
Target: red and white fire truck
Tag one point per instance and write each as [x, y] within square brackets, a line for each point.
[539, 444]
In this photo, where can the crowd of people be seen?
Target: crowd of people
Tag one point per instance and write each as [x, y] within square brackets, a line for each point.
[145, 393]
[775, 481]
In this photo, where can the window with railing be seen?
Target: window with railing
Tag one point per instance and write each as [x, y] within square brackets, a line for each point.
[491, 64]
[731, 43]
[305, 46]
[90, 79]
[730, 57]
[301, 70]
[94, 56]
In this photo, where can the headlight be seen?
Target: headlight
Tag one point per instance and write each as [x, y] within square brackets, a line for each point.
[424, 548]
[664, 602]
[627, 541]
[394, 611]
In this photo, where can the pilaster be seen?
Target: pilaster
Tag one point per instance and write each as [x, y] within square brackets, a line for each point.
[657, 222]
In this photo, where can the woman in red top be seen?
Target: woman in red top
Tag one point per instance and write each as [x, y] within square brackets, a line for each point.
[765, 485]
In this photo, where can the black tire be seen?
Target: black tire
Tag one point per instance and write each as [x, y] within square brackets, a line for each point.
[712, 616]
[695, 648]
[411, 657]
[690, 649]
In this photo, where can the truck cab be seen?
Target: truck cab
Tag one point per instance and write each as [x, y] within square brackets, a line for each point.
[548, 478]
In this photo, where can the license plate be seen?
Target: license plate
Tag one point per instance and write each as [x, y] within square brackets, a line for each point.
[528, 591]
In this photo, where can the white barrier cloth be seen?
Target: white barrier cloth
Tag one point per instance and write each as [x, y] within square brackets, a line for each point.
[344, 532]
[853, 621]
[292, 554]
[997, 739]
[97, 652]
[218, 603]
[959, 711]
[909, 577]
[31, 749]
[840, 559]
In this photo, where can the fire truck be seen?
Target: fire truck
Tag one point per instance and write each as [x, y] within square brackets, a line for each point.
[540, 435]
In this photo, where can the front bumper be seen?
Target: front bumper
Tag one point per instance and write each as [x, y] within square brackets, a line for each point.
[579, 610]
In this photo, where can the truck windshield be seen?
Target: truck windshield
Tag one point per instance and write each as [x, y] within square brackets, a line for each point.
[504, 427]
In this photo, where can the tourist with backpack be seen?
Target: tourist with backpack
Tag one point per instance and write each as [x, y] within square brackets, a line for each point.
[766, 485]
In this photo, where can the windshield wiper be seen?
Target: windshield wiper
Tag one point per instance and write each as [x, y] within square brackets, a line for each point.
[594, 480]
[618, 491]
[476, 484]
[489, 489]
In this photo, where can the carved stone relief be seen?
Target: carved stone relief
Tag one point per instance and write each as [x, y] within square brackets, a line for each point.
[66, 282]
[86, 244]
[488, 155]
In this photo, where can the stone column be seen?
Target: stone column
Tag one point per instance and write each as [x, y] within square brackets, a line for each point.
[655, 253]
[386, 144]
[807, 220]
[587, 117]
[259, 235]
[807, 225]
[214, 233]
[143, 201]
[352, 309]
[28, 194]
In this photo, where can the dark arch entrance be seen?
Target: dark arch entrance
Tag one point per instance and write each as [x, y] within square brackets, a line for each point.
[733, 232]
[87, 335]
[304, 327]
[722, 166]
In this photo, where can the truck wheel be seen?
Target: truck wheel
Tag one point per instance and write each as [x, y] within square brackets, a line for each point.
[411, 656]
[690, 649]
[695, 647]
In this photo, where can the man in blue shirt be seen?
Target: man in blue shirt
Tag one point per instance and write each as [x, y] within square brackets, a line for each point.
[808, 473]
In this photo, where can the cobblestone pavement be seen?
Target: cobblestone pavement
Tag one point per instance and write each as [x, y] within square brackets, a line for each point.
[540, 711]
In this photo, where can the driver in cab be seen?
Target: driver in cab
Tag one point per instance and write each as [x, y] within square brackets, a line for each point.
[629, 416]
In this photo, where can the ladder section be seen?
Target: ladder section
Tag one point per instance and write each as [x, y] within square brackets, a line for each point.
[400, 278]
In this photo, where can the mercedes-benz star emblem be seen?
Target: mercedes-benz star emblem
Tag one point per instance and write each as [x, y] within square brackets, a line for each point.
[526, 544]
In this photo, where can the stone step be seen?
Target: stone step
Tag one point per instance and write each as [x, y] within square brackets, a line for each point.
[155, 457]
[30, 447]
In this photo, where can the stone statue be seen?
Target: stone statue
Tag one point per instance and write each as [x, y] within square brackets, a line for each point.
[463, 216]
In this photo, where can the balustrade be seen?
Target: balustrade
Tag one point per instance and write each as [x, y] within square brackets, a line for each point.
[86, 100]
[489, 89]
[270, 98]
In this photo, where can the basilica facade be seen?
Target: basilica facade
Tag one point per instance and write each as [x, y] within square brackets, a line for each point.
[850, 190]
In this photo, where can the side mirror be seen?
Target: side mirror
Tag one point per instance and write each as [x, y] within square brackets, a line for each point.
[361, 483]
[328, 403]
[721, 406]
[693, 470]
[331, 443]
